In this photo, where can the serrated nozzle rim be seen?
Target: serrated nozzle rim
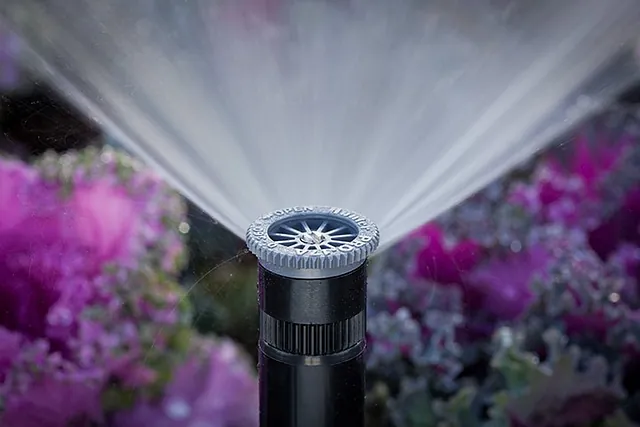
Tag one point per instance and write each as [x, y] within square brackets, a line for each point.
[354, 252]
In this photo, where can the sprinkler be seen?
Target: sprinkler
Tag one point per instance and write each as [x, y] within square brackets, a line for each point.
[312, 297]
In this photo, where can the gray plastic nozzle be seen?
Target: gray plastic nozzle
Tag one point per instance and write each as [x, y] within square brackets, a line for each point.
[312, 241]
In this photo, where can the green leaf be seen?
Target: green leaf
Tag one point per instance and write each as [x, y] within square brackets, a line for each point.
[418, 410]
[457, 410]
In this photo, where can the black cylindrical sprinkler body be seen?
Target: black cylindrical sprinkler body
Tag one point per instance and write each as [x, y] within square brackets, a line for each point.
[312, 296]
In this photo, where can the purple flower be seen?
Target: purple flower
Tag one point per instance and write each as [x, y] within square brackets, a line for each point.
[591, 162]
[504, 282]
[577, 287]
[555, 245]
[442, 260]
[108, 230]
[53, 402]
[571, 192]
[214, 388]
[487, 219]
[16, 190]
[622, 226]
[83, 300]
[140, 220]
[413, 321]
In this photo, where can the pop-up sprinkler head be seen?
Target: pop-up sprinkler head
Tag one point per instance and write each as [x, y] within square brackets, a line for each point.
[312, 296]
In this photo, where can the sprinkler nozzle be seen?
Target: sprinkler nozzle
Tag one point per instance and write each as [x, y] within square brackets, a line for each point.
[312, 298]
[312, 242]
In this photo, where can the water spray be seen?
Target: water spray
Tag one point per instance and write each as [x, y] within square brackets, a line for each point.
[312, 298]
[214, 94]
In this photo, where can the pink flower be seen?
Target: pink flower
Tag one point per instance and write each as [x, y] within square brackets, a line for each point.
[9, 346]
[555, 196]
[446, 262]
[108, 231]
[16, 185]
[441, 261]
[214, 388]
[591, 162]
[593, 324]
[82, 299]
[53, 402]
[622, 226]
[504, 283]
[572, 192]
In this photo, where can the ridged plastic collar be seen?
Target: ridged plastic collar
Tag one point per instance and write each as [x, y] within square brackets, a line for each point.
[312, 238]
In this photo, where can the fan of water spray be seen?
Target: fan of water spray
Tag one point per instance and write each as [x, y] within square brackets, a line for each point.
[396, 109]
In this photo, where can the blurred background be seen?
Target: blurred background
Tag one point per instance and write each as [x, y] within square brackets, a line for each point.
[122, 304]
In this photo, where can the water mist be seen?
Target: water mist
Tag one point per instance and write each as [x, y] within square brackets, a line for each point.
[397, 109]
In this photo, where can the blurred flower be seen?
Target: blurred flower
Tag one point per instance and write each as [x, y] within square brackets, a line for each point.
[504, 282]
[554, 247]
[574, 191]
[107, 229]
[622, 226]
[442, 259]
[214, 388]
[414, 321]
[576, 286]
[116, 209]
[567, 397]
[489, 220]
[594, 154]
[54, 402]
[84, 301]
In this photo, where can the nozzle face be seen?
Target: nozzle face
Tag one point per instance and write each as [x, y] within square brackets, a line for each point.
[313, 233]
[312, 241]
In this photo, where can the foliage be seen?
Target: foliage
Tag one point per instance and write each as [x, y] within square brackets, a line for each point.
[519, 307]
[95, 328]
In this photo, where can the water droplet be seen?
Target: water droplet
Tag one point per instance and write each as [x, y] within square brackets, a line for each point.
[227, 353]
[107, 156]
[178, 409]
[61, 317]
[184, 228]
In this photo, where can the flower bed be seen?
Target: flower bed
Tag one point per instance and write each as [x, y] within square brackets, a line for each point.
[95, 328]
[520, 307]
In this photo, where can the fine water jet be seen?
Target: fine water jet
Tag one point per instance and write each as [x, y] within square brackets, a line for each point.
[312, 285]
[419, 103]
